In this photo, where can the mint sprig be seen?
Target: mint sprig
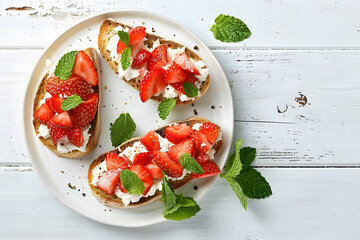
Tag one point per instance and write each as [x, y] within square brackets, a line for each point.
[122, 129]
[165, 107]
[65, 65]
[190, 164]
[125, 58]
[124, 37]
[131, 182]
[177, 207]
[71, 102]
[190, 90]
[229, 29]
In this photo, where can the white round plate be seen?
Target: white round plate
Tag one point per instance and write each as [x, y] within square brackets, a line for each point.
[57, 173]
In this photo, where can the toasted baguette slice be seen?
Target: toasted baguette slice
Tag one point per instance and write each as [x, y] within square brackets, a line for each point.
[94, 131]
[113, 200]
[106, 32]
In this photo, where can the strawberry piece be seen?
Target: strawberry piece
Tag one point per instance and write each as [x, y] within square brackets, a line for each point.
[175, 74]
[186, 146]
[140, 59]
[177, 133]
[151, 141]
[202, 144]
[121, 187]
[152, 83]
[55, 132]
[143, 175]
[136, 34]
[184, 62]
[202, 157]
[211, 131]
[55, 103]
[76, 137]
[154, 170]
[189, 78]
[44, 113]
[73, 85]
[170, 167]
[158, 58]
[84, 67]
[142, 158]
[120, 47]
[62, 120]
[114, 161]
[85, 112]
[108, 181]
[210, 169]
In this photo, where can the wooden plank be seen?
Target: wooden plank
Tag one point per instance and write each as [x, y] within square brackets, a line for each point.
[306, 204]
[274, 23]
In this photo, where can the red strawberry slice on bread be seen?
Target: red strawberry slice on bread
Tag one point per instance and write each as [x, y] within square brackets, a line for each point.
[170, 167]
[85, 112]
[202, 144]
[158, 58]
[114, 161]
[175, 74]
[136, 34]
[202, 157]
[44, 113]
[56, 132]
[151, 141]
[154, 170]
[152, 83]
[186, 146]
[184, 62]
[141, 59]
[190, 77]
[120, 47]
[62, 120]
[142, 158]
[143, 175]
[108, 181]
[211, 131]
[84, 67]
[210, 169]
[177, 133]
[76, 137]
[55, 103]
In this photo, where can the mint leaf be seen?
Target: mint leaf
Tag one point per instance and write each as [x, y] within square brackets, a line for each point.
[167, 194]
[233, 165]
[238, 191]
[247, 156]
[71, 102]
[190, 90]
[65, 65]
[229, 29]
[253, 184]
[165, 107]
[131, 182]
[124, 37]
[122, 129]
[190, 164]
[125, 58]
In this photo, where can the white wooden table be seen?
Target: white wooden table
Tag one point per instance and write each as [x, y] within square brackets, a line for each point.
[309, 154]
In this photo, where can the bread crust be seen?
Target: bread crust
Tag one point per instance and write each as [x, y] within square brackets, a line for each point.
[94, 131]
[106, 32]
[113, 200]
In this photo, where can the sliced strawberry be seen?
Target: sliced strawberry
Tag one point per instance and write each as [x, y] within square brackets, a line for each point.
[62, 120]
[202, 144]
[170, 167]
[120, 47]
[140, 59]
[158, 58]
[108, 181]
[44, 113]
[190, 77]
[175, 74]
[177, 133]
[142, 158]
[211, 131]
[55, 103]
[202, 157]
[55, 132]
[184, 62]
[210, 169]
[136, 34]
[73, 85]
[114, 161]
[154, 170]
[84, 67]
[186, 146]
[85, 112]
[152, 83]
[76, 137]
[121, 187]
[144, 176]
[151, 141]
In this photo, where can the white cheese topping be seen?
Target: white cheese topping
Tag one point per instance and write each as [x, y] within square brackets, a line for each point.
[43, 131]
[96, 172]
[65, 146]
[130, 152]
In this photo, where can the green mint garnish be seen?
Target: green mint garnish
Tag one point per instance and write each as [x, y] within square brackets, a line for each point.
[165, 107]
[253, 184]
[71, 102]
[177, 207]
[124, 37]
[247, 156]
[233, 166]
[125, 58]
[190, 90]
[131, 182]
[190, 164]
[65, 65]
[122, 129]
[229, 29]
